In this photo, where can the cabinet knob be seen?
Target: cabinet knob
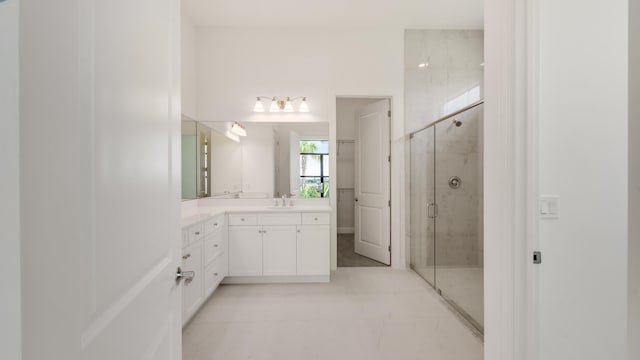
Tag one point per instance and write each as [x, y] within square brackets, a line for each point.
[316, 219]
[186, 256]
[215, 224]
[197, 232]
[241, 219]
[215, 245]
[215, 274]
[298, 231]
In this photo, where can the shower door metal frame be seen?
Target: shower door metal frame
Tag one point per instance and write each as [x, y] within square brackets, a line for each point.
[473, 323]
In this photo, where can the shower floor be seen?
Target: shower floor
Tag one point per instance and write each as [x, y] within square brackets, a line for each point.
[462, 285]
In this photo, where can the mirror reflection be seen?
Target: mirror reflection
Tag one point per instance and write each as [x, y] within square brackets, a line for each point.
[270, 160]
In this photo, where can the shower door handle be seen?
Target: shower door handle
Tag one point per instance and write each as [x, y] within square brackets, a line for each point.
[432, 210]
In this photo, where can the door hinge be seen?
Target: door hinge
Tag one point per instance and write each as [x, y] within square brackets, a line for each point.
[389, 247]
[389, 203]
[537, 257]
[389, 158]
[389, 113]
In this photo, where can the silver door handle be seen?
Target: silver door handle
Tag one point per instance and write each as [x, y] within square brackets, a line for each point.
[187, 276]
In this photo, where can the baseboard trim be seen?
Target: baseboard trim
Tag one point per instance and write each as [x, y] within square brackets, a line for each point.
[276, 279]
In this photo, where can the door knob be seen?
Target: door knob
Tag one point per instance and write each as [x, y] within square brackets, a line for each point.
[186, 275]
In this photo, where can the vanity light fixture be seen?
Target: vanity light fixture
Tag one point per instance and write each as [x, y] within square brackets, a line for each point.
[284, 105]
[232, 136]
[238, 129]
[258, 107]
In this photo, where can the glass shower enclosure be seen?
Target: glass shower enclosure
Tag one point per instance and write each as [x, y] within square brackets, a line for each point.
[447, 210]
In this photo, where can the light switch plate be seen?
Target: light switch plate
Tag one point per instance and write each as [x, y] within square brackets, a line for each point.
[549, 206]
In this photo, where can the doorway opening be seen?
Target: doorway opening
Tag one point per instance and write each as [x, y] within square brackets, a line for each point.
[363, 181]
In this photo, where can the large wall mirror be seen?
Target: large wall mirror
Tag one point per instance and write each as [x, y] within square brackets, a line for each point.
[272, 160]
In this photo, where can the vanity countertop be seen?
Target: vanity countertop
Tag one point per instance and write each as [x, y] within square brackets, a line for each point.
[207, 212]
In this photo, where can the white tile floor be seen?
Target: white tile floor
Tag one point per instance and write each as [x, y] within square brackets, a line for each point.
[363, 313]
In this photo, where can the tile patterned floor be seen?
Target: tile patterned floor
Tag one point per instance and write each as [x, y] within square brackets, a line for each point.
[363, 313]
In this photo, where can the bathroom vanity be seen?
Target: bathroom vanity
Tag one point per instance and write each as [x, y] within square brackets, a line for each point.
[253, 244]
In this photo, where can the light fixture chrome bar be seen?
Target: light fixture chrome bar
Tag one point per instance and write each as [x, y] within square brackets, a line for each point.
[447, 117]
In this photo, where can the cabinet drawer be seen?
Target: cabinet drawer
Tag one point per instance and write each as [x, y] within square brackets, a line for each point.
[279, 219]
[214, 245]
[315, 218]
[214, 224]
[196, 233]
[214, 274]
[243, 219]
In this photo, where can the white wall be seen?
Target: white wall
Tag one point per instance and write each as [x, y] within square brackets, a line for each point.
[236, 65]
[634, 180]
[583, 159]
[188, 65]
[10, 326]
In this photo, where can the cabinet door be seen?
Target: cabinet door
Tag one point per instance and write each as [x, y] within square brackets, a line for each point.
[245, 251]
[279, 250]
[313, 250]
[192, 293]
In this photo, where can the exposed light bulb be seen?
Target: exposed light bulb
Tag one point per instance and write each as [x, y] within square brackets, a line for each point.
[238, 129]
[303, 106]
[258, 107]
[287, 106]
[274, 106]
[423, 65]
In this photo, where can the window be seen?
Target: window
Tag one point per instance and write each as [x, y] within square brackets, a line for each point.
[314, 168]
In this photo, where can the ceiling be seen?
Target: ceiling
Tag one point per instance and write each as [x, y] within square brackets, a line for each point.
[405, 14]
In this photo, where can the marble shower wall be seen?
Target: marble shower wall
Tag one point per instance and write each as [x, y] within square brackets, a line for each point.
[443, 73]
[451, 78]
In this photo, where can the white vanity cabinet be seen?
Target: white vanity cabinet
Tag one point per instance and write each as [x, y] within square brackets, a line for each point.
[279, 247]
[245, 250]
[192, 292]
[204, 251]
[262, 250]
[279, 250]
[312, 250]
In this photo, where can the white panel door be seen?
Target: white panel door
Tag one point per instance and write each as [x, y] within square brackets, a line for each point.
[9, 183]
[279, 250]
[245, 250]
[100, 179]
[313, 250]
[373, 192]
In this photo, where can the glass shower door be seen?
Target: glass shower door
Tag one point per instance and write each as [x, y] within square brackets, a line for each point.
[459, 222]
[422, 253]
